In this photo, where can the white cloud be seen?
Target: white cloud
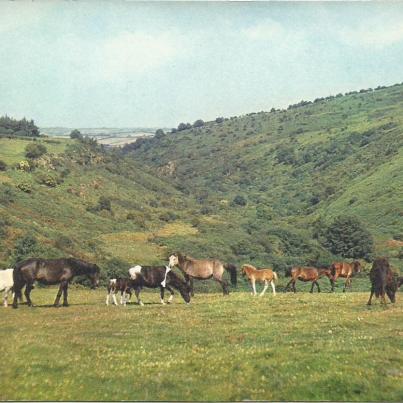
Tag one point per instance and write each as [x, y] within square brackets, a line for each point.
[372, 33]
[266, 30]
[136, 52]
[15, 15]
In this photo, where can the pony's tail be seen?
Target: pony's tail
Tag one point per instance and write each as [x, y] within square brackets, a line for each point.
[232, 271]
[275, 277]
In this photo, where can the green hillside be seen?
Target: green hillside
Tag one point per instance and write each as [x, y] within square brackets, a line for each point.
[259, 188]
[313, 161]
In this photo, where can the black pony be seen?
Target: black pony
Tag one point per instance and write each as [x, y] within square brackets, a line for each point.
[51, 271]
[153, 277]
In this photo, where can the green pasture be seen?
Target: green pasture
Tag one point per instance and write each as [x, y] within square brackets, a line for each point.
[13, 151]
[289, 347]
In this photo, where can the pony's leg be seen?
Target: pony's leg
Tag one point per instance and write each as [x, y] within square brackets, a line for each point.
[17, 296]
[59, 294]
[224, 286]
[345, 284]
[171, 297]
[293, 286]
[137, 293]
[313, 283]
[317, 285]
[5, 298]
[114, 297]
[287, 287]
[266, 284]
[273, 287]
[253, 286]
[65, 293]
[192, 293]
[162, 292]
[370, 297]
[27, 293]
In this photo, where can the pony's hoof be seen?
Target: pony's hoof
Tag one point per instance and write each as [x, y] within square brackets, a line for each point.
[15, 306]
[65, 305]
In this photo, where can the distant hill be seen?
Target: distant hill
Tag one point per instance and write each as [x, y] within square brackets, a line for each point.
[260, 188]
[104, 135]
[295, 168]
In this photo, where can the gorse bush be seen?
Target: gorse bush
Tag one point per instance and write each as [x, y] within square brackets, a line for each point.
[35, 150]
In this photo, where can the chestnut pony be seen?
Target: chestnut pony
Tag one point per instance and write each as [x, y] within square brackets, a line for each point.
[308, 274]
[265, 276]
[345, 270]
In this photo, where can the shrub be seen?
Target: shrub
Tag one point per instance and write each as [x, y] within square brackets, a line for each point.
[25, 187]
[76, 134]
[239, 200]
[104, 203]
[35, 150]
[24, 166]
[7, 194]
[348, 237]
[3, 226]
[63, 242]
[25, 247]
[3, 166]
[168, 216]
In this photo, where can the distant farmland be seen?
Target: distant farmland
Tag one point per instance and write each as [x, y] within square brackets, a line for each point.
[104, 135]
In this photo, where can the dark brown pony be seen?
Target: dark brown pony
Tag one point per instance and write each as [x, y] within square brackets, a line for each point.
[203, 269]
[51, 271]
[345, 270]
[383, 280]
[307, 274]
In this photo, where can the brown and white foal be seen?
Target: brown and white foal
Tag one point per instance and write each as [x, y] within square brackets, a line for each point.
[260, 275]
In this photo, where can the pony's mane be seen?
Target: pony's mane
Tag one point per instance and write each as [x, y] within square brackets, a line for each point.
[249, 266]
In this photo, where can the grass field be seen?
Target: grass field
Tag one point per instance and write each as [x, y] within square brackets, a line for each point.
[291, 347]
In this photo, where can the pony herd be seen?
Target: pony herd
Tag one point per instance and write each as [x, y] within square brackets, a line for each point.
[62, 271]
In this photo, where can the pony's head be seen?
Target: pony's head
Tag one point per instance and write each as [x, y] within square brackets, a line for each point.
[174, 259]
[356, 266]
[245, 268]
[94, 275]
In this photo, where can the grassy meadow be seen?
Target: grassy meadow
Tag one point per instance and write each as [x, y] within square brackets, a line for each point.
[289, 347]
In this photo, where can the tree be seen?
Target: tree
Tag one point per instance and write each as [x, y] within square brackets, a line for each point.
[35, 150]
[182, 126]
[285, 154]
[348, 237]
[159, 133]
[76, 134]
[220, 119]
[198, 123]
[3, 166]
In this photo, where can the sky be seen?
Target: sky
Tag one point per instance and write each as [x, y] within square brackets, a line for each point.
[156, 64]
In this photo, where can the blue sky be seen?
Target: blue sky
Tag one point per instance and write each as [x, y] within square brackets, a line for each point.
[123, 64]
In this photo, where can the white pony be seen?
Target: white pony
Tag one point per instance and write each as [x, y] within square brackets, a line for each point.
[6, 283]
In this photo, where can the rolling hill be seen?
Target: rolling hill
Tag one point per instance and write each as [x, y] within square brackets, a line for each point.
[258, 188]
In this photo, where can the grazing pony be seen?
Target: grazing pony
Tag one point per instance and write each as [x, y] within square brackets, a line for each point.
[261, 275]
[6, 284]
[345, 270]
[383, 279]
[307, 274]
[203, 269]
[51, 271]
[118, 285]
[158, 276]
